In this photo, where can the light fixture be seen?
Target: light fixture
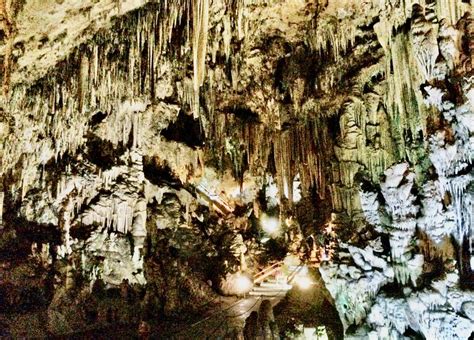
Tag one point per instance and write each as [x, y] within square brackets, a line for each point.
[303, 282]
[271, 225]
[242, 283]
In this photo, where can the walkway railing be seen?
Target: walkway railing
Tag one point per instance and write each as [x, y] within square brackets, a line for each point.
[217, 202]
[259, 277]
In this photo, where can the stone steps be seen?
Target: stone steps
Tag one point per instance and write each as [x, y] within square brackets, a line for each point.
[268, 293]
[270, 288]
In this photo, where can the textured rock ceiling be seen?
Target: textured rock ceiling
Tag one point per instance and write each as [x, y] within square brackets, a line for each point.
[41, 41]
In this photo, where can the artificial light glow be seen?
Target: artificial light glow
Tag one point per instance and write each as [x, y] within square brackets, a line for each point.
[315, 333]
[242, 283]
[303, 271]
[304, 282]
[270, 225]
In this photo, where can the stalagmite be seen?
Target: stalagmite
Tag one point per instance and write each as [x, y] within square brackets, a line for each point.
[2, 195]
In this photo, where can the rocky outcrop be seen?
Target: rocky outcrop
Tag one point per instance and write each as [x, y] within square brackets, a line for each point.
[440, 207]
[362, 280]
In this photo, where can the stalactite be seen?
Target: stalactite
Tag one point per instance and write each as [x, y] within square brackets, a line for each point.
[424, 39]
[7, 25]
[200, 36]
[69, 97]
[227, 36]
[462, 202]
[333, 35]
[451, 10]
[296, 151]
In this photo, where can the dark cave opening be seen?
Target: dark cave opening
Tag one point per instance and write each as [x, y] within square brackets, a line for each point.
[17, 234]
[185, 130]
[160, 173]
[98, 118]
[103, 153]
[465, 269]
[245, 114]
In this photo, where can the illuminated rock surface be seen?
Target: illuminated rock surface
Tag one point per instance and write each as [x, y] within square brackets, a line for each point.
[147, 146]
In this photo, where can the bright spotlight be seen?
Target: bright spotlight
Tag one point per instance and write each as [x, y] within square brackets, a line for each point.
[270, 225]
[242, 283]
[304, 282]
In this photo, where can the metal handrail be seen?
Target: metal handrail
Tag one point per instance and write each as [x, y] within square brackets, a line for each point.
[217, 202]
[259, 277]
[268, 268]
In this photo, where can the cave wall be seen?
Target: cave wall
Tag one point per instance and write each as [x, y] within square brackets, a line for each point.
[108, 104]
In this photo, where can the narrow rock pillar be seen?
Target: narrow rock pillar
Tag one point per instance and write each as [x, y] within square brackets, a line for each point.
[2, 195]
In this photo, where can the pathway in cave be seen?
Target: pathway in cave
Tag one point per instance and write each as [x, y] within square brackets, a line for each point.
[228, 321]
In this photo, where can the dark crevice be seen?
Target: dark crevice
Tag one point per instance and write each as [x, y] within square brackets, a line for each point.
[334, 128]
[103, 153]
[82, 231]
[245, 114]
[27, 232]
[412, 334]
[464, 265]
[160, 174]
[185, 130]
[466, 170]
[97, 118]
[278, 82]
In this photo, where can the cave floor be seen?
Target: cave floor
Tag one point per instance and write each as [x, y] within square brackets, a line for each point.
[224, 321]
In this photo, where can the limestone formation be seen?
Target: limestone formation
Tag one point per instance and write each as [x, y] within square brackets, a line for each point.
[154, 152]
